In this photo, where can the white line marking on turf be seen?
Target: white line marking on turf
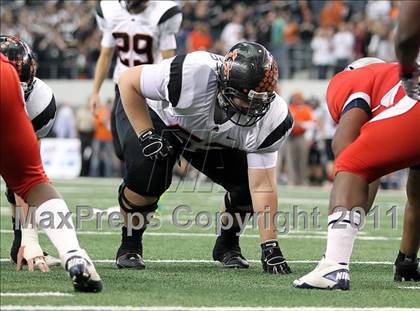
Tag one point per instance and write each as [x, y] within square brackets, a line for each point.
[254, 236]
[38, 294]
[197, 261]
[409, 287]
[180, 308]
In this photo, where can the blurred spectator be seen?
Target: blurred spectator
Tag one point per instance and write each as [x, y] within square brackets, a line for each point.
[84, 125]
[65, 123]
[327, 133]
[323, 56]
[291, 39]
[233, 32]
[378, 10]
[102, 147]
[332, 14]
[362, 36]
[381, 45]
[297, 144]
[278, 47]
[316, 144]
[343, 45]
[199, 38]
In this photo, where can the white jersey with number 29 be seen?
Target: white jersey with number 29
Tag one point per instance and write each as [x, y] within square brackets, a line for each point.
[138, 38]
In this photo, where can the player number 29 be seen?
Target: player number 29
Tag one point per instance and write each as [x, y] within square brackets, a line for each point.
[133, 43]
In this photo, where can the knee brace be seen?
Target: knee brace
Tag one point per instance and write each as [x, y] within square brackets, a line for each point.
[10, 196]
[134, 208]
[239, 202]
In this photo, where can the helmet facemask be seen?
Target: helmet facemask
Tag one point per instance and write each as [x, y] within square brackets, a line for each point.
[255, 105]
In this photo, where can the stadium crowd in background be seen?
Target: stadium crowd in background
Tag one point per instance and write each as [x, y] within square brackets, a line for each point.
[309, 39]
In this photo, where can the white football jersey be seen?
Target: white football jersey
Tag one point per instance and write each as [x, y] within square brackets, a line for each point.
[40, 107]
[138, 38]
[183, 92]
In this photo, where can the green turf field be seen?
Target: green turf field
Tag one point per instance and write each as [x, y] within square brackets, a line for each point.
[180, 271]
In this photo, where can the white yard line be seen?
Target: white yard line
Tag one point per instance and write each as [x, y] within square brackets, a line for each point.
[199, 261]
[290, 235]
[409, 287]
[38, 294]
[182, 308]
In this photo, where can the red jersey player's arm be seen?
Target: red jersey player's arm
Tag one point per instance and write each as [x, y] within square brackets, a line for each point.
[348, 129]
[407, 40]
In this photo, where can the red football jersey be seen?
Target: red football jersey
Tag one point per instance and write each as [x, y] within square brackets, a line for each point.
[378, 84]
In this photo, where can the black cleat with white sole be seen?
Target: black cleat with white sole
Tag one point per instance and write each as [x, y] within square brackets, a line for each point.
[83, 275]
[229, 255]
[130, 261]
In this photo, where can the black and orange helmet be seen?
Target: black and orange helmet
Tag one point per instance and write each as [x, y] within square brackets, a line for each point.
[249, 72]
[22, 58]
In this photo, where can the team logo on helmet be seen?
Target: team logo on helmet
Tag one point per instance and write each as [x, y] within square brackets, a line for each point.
[227, 63]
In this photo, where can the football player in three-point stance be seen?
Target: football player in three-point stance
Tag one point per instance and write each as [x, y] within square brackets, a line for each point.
[22, 170]
[377, 134]
[41, 108]
[223, 115]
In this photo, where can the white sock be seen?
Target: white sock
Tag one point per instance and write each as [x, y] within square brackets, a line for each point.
[340, 240]
[64, 239]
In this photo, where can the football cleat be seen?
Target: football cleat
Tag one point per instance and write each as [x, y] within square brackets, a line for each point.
[327, 275]
[272, 258]
[229, 256]
[82, 272]
[407, 270]
[130, 261]
[51, 260]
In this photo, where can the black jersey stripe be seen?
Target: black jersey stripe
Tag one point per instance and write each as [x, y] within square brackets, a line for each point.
[169, 13]
[175, 79]
[278, 132]
[358, 103]
[45, 116]
[98, 9]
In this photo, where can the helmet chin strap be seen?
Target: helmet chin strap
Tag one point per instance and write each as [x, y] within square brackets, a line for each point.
[225, 112]
[222, 114]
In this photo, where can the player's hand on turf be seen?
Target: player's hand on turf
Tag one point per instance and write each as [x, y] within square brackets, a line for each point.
[31, 254]
[154, 146]
[411, 82]
[272, 258]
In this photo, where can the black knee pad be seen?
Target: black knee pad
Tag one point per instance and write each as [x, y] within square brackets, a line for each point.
[133, 208]
[10, 196]
[239, 202]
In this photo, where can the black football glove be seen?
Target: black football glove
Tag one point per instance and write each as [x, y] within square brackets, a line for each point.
[411, 81]
[154, 146]
[272, 258]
